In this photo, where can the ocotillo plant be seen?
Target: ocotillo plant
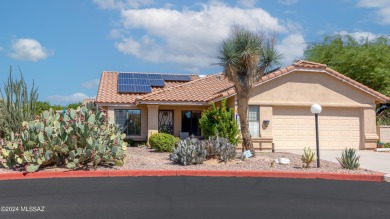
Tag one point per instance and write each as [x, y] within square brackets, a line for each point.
[18, 104]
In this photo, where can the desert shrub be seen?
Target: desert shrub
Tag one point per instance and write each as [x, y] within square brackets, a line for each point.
[18, 104]
[189, 151]
[130, 142]
[177, 141]
[307, 157]
[162, 142]
[219, 121]
[220, 148]
[81, 138]
[348, 159]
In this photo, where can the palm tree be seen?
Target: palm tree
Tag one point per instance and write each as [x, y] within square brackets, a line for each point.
[245, 56]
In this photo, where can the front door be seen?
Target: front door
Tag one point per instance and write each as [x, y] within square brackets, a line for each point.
[165, 121]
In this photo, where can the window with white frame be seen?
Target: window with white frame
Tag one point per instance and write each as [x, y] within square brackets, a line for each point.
[254, 121]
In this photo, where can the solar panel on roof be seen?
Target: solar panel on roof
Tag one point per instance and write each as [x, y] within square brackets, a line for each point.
[156, 82]
[140, 81]
[142, 88]
[124, 75]
[125, 88]
[140, 75]
[154, 76]
[168, 77]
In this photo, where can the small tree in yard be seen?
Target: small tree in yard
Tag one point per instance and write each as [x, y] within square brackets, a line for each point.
[245, 56]
[219, 121]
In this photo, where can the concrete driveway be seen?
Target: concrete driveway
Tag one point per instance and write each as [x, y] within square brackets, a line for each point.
[377, 161]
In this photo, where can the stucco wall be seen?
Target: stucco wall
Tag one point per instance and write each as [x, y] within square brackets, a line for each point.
[302, 89]
[384, 133]
[306, 88]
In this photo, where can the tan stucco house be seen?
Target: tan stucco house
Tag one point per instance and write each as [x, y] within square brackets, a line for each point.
[279, 109]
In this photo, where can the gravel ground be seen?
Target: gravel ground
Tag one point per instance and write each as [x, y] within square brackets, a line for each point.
[147, 159]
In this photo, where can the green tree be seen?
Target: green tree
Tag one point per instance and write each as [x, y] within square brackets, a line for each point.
[43, 106]
[18, 104]
[74, 105]
[366, 61]
[219, 121]
[245, 56]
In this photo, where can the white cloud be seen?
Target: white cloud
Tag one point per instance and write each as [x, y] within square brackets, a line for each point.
[73, 98]
[287, 2]
[360, 35]
[187, 37]
[382, 7]
[28, 49]
[247, 3]
[292, 47]
[122, 4]
[91, 84]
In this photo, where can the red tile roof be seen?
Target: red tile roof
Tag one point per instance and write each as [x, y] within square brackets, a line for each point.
[202, 90]
[206, 89]
[108, 89]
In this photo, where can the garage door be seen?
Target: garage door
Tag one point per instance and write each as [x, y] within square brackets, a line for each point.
[294, 128]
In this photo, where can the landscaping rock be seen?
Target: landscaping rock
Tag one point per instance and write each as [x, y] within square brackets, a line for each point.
[282, 160]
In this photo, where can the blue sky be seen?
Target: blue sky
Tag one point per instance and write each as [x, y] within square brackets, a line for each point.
[65, 45]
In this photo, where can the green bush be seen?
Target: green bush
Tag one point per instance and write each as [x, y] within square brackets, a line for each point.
[162, 142]
[190, 151]
[348, 159]
[307, 157]
[387, 145]
[81, 138]
[219, 121]
[130, 142]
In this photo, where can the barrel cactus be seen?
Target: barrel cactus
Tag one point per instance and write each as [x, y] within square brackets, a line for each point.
[77, 139]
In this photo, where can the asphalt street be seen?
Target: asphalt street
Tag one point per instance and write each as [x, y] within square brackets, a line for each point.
[193, 197]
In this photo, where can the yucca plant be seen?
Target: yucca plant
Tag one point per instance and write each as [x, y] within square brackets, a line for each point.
[307, 157]
[349, 160]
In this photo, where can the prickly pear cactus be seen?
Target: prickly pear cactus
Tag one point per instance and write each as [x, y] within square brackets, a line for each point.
[80, 138]
[220, 148]
[189, 151]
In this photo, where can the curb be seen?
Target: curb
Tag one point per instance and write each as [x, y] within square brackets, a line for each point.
[377, 177]
[386, 177]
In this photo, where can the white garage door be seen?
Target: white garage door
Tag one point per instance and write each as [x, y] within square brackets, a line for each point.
[294, 128]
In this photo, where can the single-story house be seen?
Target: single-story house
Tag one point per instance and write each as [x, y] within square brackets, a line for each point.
[279, 111]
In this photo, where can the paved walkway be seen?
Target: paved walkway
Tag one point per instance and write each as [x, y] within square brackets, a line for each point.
[377, 161]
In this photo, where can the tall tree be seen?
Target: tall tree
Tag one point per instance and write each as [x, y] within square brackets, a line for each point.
[18, 104]
[245, 56]
[366, 61]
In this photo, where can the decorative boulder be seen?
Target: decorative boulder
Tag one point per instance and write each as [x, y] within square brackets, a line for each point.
[282, 161]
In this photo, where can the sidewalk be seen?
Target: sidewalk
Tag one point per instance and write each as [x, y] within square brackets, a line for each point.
[377, 161]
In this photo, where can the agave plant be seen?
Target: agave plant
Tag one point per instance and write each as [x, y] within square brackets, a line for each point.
[349, 160]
